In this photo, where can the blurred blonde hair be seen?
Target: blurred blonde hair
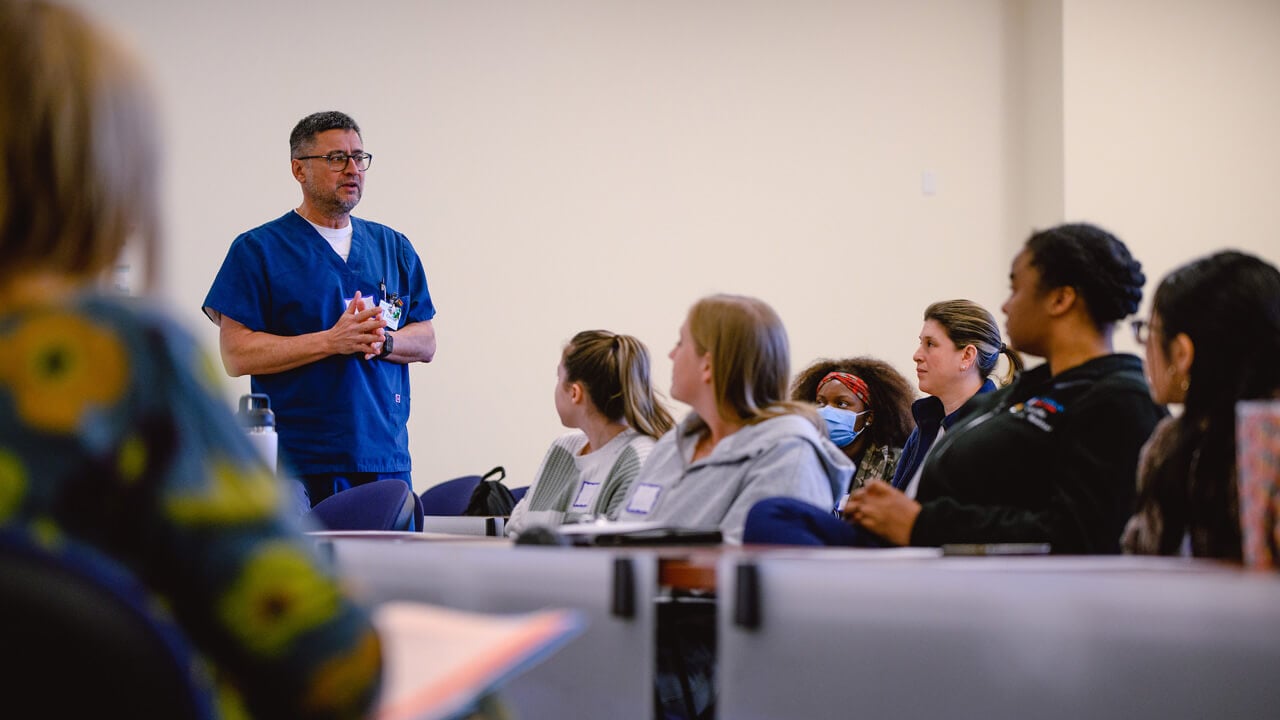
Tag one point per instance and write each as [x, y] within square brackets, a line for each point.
[750, 357]
[78, 147]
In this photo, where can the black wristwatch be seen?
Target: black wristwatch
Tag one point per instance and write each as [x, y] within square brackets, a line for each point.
[388, 345]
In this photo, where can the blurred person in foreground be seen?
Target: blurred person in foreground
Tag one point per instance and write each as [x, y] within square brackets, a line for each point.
[111, 431]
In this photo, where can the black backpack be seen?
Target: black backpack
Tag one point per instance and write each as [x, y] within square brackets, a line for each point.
[491, 497]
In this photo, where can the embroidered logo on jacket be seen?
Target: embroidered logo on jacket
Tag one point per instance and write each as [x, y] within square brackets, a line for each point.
[1037, 411]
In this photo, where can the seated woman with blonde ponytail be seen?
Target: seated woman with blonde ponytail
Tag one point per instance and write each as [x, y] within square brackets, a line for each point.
[604, 392]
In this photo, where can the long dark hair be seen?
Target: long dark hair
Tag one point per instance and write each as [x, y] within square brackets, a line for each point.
[1228, 304]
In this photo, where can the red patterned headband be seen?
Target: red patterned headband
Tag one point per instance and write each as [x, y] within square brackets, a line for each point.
[856, 385]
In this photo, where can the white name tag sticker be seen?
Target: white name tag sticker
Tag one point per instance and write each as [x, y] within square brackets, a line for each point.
[645, 497]
[586, 496]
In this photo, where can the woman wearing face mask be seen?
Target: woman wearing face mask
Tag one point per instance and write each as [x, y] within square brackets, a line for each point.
[603, 391]
[866, 406]
[957, 354]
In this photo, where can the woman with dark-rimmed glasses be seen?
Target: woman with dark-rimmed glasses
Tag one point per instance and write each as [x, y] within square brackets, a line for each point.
[1213, 339]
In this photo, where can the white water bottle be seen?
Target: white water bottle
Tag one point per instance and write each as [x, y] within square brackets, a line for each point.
[260, 423]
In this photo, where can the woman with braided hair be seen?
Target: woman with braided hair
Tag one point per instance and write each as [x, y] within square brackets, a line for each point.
[1051, 458]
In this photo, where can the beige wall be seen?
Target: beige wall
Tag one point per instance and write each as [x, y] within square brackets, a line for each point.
[1035, 101]
[1172, 124]
[568, 164]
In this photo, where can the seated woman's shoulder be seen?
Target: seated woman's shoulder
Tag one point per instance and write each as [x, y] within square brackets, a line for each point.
[789, 424]
[573, 437]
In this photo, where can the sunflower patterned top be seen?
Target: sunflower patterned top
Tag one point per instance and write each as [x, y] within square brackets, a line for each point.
[112, 433]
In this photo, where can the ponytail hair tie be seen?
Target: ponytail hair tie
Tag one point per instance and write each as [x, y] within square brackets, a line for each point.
[1004, 348]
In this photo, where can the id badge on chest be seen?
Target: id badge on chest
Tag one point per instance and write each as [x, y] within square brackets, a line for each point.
[391, 313]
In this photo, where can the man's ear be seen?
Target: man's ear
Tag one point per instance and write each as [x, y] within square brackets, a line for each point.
[295, 166]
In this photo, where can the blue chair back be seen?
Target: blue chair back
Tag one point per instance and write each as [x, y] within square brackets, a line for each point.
[450, 497]
[388, 504]
[86, 638]
[519, 492]
[453, 497]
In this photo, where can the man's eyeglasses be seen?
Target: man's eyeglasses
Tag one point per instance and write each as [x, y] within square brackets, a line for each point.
[1141, 331]
[338, 161]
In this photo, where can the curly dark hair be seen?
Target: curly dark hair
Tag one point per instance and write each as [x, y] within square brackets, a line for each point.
[1094, 262]
[314, 124]
[891, 394]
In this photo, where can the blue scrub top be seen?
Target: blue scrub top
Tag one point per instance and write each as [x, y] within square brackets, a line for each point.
[342, 413]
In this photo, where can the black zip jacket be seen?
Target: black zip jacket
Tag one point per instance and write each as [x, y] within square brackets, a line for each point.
[1047, 459]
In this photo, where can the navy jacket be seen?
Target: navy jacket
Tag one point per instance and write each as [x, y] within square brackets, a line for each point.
[928, 413]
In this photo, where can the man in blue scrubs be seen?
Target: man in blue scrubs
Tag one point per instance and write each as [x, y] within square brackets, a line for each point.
[324, 311]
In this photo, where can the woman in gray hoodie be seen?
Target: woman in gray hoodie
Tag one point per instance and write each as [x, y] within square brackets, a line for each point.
[744, 441]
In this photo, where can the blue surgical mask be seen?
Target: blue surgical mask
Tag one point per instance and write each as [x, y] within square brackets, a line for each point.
[840, 424]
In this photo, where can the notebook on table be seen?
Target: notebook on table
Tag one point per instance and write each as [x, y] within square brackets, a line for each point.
[638, 533]
[440, 663]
